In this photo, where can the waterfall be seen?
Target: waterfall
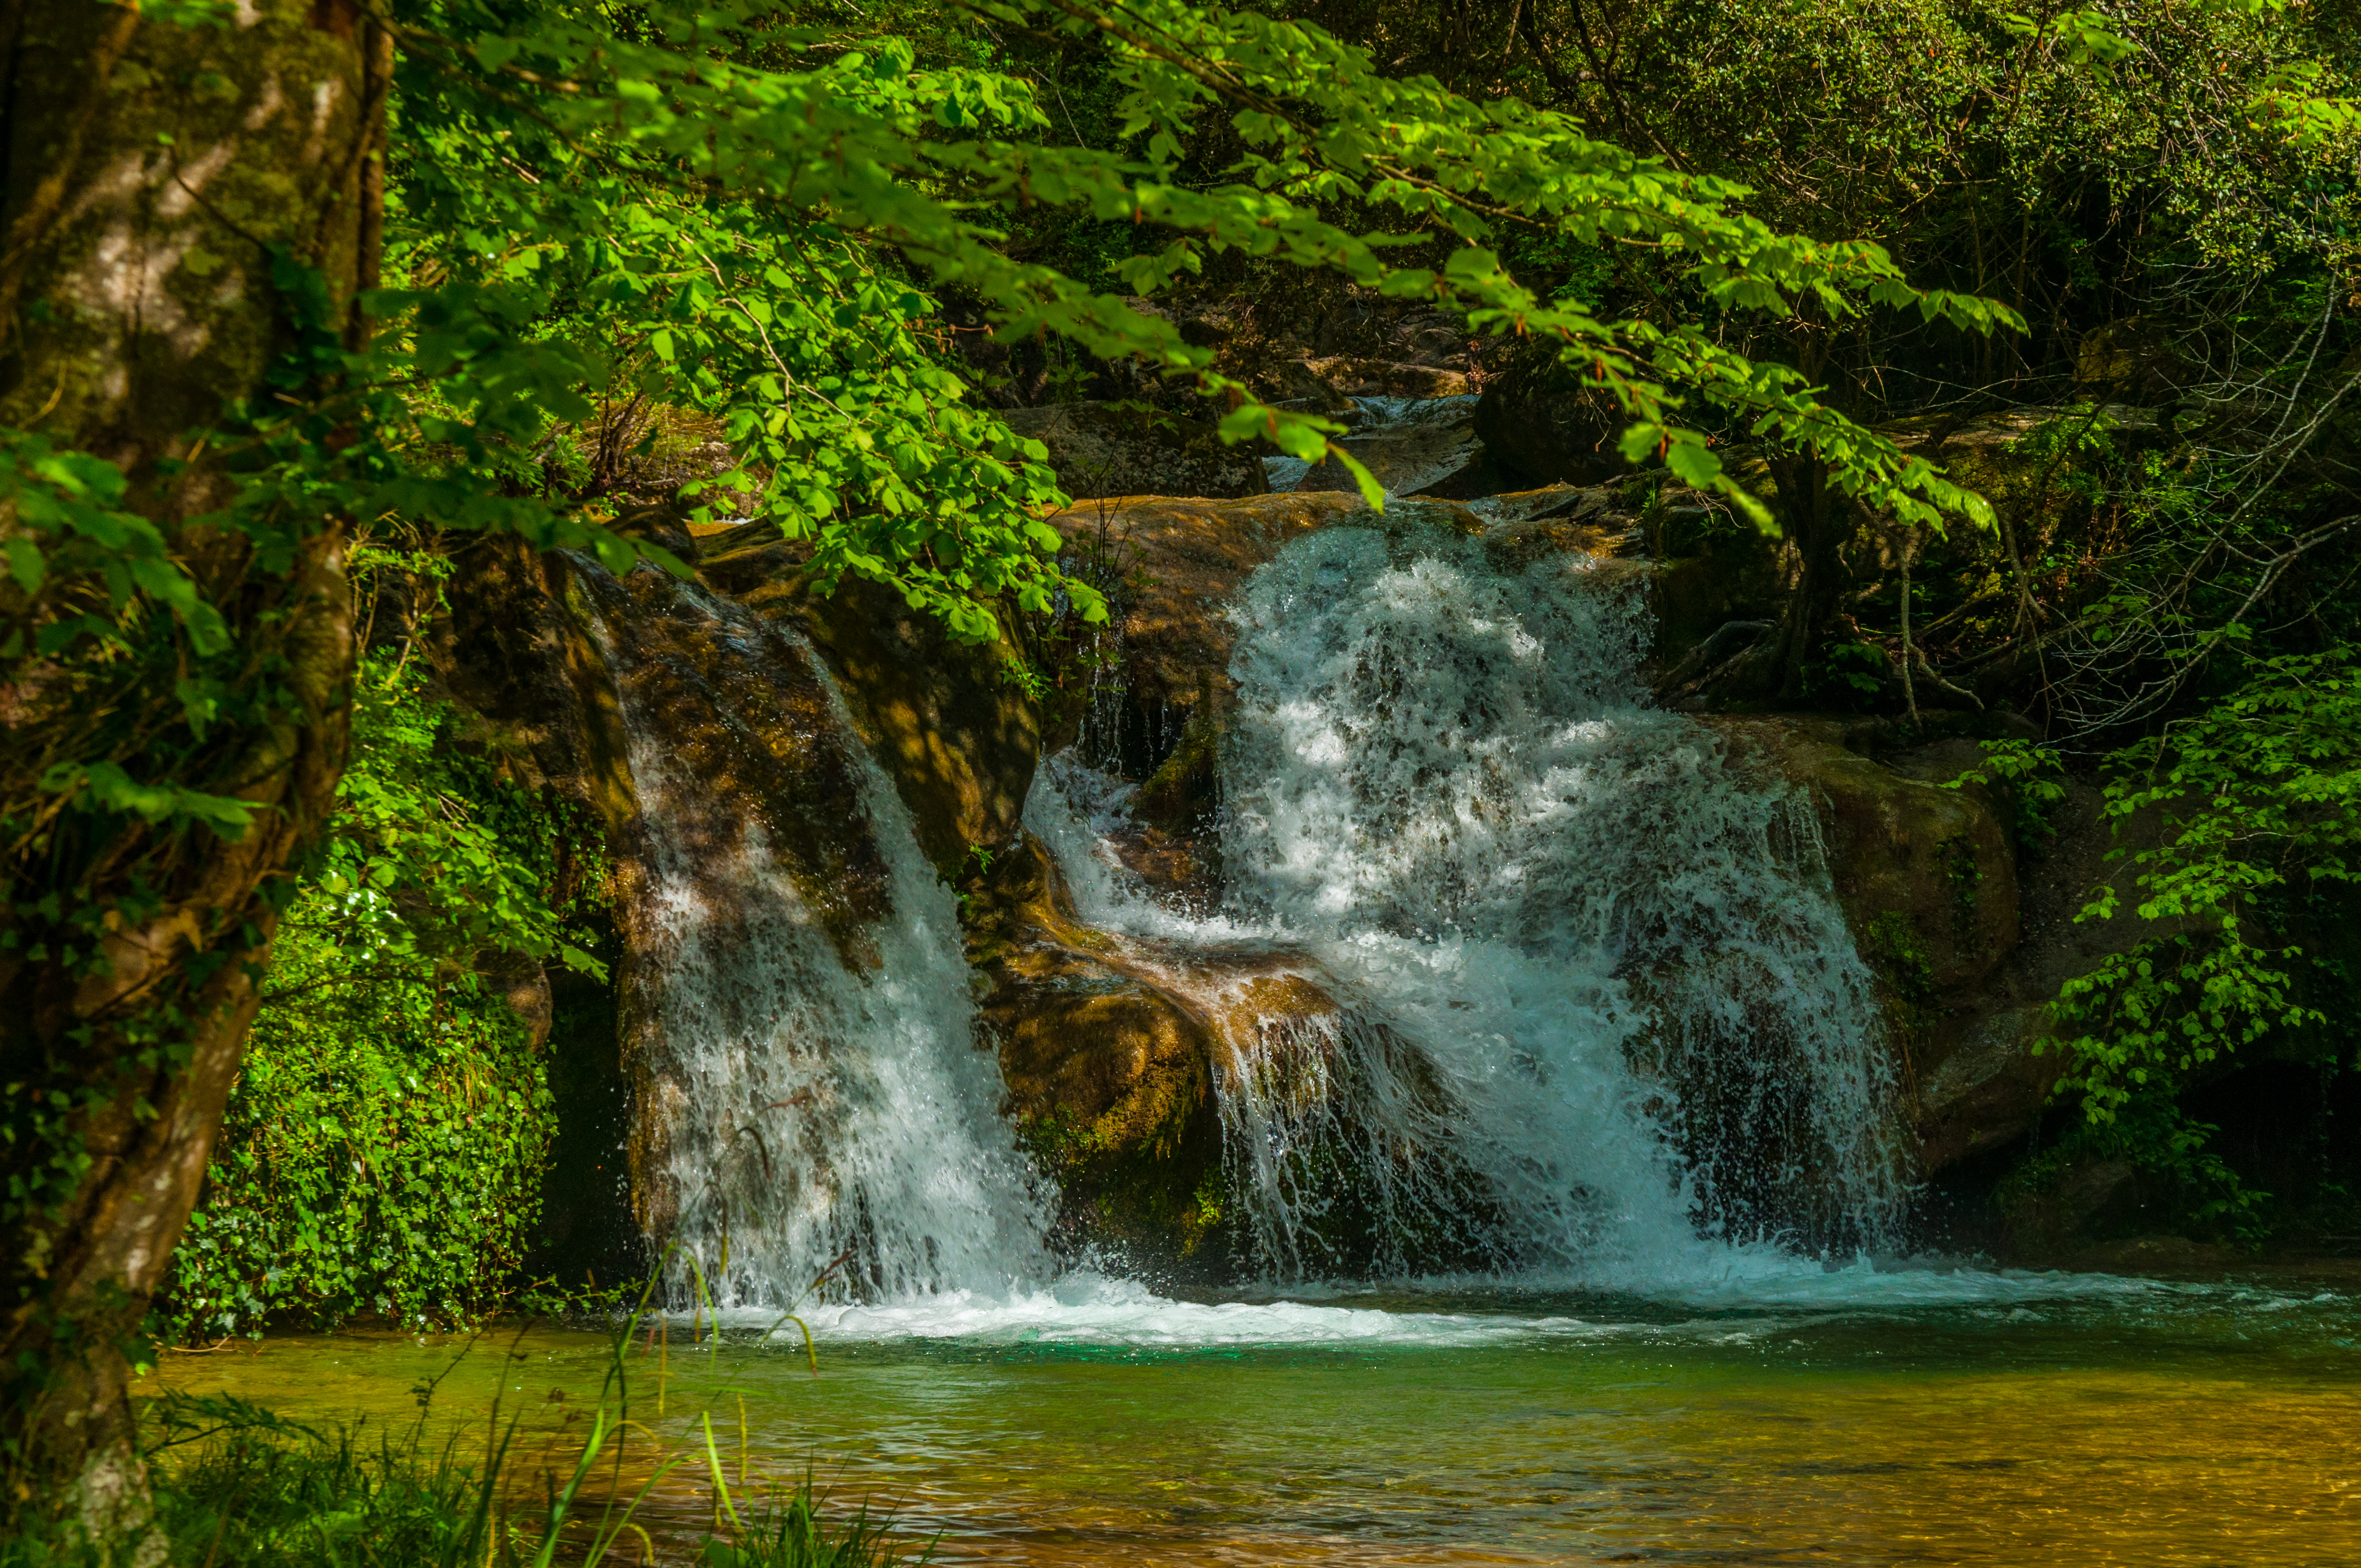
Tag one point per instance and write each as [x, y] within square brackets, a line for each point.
[1595, 1008]
[797, 1001]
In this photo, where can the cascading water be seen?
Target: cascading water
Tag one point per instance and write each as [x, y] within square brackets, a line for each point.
[797, 999]
[1407, 443]
[1595, 1006]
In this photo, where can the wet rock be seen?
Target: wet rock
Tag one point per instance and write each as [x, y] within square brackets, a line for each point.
[1931, 868]
[1179, 562]
[1298, 383]
[2153, 1254]
[1100, 449]
[752, 719]
[1411, 449]
[1928, 880]
[1112, 1047]
[1537, 420]
[946, 720]
[1110, 1074]
[1155, 709]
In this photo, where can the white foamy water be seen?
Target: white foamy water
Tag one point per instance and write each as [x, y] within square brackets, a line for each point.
[1091, 1310]
[1600, 1015]
[813, 1102]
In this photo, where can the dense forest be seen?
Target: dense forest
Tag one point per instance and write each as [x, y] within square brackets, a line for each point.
[1990, 376]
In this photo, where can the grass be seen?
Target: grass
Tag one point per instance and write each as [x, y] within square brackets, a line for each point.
[238, 1486]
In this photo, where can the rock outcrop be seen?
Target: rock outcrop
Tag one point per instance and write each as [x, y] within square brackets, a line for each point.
[1100, 449]
[1110, 1074]
[1170, 568]
[949, 721]
[1110, 1049]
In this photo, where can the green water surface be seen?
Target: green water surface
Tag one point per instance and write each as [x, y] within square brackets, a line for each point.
[2164, 1425]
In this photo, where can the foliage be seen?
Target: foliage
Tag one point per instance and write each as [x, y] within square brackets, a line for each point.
[2029, 778]
[239, 1484]
[2172, 116]
[383, 1150]
[2240, 820]
[383, 1158]
[2192, 1187]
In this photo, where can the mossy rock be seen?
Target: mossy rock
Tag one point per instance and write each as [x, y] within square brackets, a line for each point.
[1116, 449]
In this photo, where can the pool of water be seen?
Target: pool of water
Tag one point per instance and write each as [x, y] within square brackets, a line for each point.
[1910, 1418]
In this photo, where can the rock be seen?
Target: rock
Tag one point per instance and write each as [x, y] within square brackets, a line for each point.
[1985, 1091]
[1481, 477]
[1357, 377]
[1918, 868]
[2134, 358]
[1111, 1048]
[1928, 878]
[523, 984]
[1160, 675]
[1179, 562]
[1406, 459]
[587, 1227]
[1297, 383]
[1714, 573]
[513, 649]
[1537, 418]
[949, 722]
[1100, 449]
[2079, 1203]
[2157, 1254]
[1110, 1072]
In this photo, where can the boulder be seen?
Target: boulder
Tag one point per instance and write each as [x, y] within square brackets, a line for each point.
[1109, 1056]
[1361, 377]
[512, 648]
[1929, 882]
[1538, 420]
[1407, 458]
[1107, 449]
[1718, 587]
[2135, 359]
[1986, 1089]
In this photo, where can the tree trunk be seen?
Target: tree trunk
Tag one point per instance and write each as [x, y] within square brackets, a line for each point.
[1820, 523]
[155, 175]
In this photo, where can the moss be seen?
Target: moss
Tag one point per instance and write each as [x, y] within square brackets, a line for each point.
[1163, 1188]
[1906, 981]
[1958, 854]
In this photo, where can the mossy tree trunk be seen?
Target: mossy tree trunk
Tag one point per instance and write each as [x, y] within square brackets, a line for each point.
[155, 175]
